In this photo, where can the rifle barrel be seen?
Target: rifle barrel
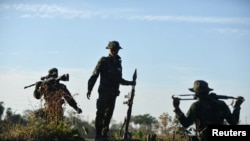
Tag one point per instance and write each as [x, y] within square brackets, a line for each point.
[30, 86]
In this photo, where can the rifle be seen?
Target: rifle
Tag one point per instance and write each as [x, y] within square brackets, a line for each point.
[45, 79]
[127, 135]
[212, 95]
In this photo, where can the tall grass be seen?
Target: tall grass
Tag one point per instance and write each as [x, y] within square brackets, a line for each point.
[39, 131]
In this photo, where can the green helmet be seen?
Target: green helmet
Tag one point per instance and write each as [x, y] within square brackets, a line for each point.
[200, 86]
[53, 73]
[114, 45]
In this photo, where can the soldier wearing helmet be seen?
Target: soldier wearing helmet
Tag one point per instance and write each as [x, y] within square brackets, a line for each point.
[53, 73]
[207, 110]
[110, 70]
[55, 95]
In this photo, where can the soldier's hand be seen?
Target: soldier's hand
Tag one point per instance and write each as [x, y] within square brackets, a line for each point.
[239, 101]
[133, 83]
[79, 110]
[88, 94]
[38, 84]
[176, 103]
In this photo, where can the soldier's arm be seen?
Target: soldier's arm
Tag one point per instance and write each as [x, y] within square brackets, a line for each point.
[37, 92]
[232, 118]
[126, 82]
[181, 117]
[95, 74]
[70, 100]
[186, 120]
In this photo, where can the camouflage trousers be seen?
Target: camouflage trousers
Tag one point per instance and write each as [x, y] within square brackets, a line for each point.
[105, 107]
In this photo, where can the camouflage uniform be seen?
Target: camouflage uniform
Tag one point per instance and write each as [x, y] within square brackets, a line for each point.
[55, 94]
[207, 110]
[110, 70]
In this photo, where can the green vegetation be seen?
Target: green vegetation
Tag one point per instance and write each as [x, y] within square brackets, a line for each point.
[38, 132]
[27, 127]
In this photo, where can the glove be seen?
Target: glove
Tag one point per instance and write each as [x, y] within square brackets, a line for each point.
[88, 94]
[176, 103]
[239, 101]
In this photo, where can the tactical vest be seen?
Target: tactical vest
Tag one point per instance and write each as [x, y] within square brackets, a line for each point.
[111, 72]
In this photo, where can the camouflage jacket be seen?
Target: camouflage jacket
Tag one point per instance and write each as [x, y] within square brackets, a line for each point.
[206, 112]
[55, 94]
[110, 70]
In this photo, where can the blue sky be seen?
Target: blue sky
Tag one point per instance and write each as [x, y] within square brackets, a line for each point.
[170, 43]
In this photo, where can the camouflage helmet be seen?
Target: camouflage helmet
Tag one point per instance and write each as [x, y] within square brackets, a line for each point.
[114, 45]
[53, 72]
[200, 86]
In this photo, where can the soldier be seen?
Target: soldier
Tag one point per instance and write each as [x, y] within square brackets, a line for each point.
[55, 94]
[110, 70]
[207, 110]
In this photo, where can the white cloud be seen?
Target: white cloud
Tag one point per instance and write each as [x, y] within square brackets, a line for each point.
[233, 31]
[47, 11]
[57, 11]
[192, 19]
